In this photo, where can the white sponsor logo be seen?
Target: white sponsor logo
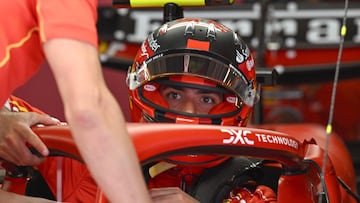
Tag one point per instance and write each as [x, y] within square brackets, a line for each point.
[237, 136]
[250, 64]
[231, 99]
[153, 43]
[149, 88]
[239, 57]
[144, 50]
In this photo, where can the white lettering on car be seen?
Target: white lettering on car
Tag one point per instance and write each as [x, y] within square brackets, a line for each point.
[273, 139]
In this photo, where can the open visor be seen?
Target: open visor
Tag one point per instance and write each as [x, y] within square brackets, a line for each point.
[192, 64]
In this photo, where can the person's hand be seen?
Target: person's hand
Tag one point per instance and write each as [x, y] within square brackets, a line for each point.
[16, 136]
[170, 194]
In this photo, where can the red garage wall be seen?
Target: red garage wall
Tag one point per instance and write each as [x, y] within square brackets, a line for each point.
[41, 91]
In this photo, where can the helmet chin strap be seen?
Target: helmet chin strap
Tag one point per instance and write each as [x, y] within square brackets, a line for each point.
[333, 94]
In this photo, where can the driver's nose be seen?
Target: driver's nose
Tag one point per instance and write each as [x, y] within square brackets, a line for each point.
[189, 107]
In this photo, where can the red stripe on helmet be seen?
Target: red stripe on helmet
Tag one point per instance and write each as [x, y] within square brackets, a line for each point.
[196, 44]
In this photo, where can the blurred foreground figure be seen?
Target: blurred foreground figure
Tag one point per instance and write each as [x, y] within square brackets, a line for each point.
[64, 33]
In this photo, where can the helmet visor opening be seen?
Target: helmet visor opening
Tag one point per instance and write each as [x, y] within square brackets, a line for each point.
[189, 100]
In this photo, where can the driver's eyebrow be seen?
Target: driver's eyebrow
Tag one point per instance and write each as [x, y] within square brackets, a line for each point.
[200, 91]
[165, 87]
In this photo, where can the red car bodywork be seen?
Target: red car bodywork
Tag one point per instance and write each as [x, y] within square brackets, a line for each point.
[298, 149]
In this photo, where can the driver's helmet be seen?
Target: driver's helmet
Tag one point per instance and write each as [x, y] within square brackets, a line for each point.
[193, 53]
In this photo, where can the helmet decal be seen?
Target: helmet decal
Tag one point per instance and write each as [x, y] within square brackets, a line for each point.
[250, 64]
[231, 99]
[196, 44]
[153, 43]
[246, 51]
[150, 87]
[144, 51]
[240, 58]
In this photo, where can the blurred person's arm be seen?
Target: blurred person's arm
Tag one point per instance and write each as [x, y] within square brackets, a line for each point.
[96, 120]
[9, 197]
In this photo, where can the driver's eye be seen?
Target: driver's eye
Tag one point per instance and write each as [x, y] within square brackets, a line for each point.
[173, 95]
[207, 100]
